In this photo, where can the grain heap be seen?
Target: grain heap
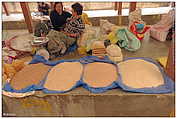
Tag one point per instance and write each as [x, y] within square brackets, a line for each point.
[29, 75]
[100, 74]
[64, 76]
[138, 73]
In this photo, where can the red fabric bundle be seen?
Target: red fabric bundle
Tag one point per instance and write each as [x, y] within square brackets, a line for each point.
[139, 35]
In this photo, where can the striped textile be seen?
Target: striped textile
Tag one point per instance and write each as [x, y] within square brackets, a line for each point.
[99, 52]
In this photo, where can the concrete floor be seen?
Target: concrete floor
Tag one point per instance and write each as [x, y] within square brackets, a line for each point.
[149, 48]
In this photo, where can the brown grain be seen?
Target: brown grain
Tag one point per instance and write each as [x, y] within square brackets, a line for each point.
[99, 74]
[64, 76]
[29, 75]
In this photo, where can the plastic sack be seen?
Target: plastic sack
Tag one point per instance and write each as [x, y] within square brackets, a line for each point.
[114, 53]
[90, 34]
[113, 37]
[82, 50]
[128, 40]
[44, 53]
[9, 70]
[18, 64]
[135, 16]
[105, 28]
[160, 30]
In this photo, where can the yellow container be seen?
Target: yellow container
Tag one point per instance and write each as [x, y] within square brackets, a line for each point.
[162, 61]
[82, 50]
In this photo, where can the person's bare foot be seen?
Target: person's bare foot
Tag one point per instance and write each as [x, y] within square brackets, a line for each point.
[63, 50]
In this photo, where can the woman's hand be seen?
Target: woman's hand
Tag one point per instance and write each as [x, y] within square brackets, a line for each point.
[72, 35]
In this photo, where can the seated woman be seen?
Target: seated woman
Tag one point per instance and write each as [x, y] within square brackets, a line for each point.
[58, 16]
[84, 16]
[59, 42]
[43, 8]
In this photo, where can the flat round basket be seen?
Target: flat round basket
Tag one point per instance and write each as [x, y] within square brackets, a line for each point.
[20, 43]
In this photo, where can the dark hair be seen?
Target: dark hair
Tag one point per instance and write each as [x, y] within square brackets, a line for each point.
[77, 8]
[58, 3]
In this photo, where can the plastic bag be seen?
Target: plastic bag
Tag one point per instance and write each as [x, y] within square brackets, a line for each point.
[112, 37]
[18, 65]
[9, 70]
[89, 33]
[114, 53]
[135, 16]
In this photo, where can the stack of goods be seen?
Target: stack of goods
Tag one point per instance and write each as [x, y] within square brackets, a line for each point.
[64, 76]
[89, 35]
[114, 53]
[98, 75]
[98, 49]
[160, 30]
[30, 75]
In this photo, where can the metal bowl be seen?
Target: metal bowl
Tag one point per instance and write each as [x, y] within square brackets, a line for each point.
[39, 41]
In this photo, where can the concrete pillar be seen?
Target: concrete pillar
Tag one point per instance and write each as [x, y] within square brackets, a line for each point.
[120, 8]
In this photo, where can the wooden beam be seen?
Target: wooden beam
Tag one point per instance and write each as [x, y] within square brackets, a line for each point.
[5, 8]
[27, 16]
[173, 4]
[115, 5]
[132, 6]
[52, 5]
[120, 8]
[170, 67]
